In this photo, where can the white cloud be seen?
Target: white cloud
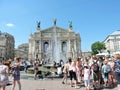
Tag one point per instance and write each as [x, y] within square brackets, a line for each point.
[10, 25]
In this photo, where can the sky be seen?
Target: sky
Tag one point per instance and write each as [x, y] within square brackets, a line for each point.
[94, 20]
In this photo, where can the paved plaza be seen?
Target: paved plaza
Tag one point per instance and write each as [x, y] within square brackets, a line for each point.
[47, 84]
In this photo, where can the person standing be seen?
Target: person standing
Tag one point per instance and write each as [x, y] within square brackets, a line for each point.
[72, 72]
[111, 74]
[95, 68]
[116, 66]
[79, 69]
[36, 64]
[16, 73]
[87, 76]
[65, 72]
[25, 66]
[105, 72]
[3, 75]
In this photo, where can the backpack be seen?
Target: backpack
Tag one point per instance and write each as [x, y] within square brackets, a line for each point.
[109, 69]
[95, 67]
[117, 66]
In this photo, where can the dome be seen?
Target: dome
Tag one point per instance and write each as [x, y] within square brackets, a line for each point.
[116, 33]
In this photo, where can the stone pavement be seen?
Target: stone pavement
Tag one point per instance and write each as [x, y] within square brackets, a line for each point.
[28, 83]
[46, 84]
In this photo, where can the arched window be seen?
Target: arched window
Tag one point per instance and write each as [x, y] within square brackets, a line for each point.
[46, 44]
[64, 46]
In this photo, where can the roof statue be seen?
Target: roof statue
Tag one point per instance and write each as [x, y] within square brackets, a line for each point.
[54, 21]
[70, 24]
[38, 24]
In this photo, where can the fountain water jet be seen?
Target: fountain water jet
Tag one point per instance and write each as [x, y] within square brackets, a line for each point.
[55, 48]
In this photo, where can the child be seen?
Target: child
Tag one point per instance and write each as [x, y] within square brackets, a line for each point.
[87, 77]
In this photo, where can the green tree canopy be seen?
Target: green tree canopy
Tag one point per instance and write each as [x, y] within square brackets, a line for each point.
[97, 47]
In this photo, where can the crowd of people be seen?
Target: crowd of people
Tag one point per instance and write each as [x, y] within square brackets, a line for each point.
[96, 72]
[93, 71]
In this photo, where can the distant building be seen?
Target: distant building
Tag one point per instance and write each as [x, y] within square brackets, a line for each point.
[6, 46]
[86, 53]
[54, 43]
[22, 51]
[112, 42]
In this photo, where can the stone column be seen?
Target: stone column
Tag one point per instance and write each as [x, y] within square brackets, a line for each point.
[75, 45]
[51, 50]
[75, 48]
[69, 46]
[39, 50]
[69, 49]
[39, 46]
[49, 45]
[58, 50]
[60, 46]
[33, 50]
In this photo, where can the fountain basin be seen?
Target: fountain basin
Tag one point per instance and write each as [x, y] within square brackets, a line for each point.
[42, 69]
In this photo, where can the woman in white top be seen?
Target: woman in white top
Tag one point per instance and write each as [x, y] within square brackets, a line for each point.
[3, 76]
[72, 72]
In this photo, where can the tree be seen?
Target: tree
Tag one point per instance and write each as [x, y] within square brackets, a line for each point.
[97, 47]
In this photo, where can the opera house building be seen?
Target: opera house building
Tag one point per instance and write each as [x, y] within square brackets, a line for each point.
[54, 43]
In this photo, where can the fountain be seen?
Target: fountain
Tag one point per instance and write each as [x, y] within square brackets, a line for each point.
[55, 42]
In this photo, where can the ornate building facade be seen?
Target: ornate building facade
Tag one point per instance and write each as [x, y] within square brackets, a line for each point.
[112, 42]
[54, 43]
[6, 46]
